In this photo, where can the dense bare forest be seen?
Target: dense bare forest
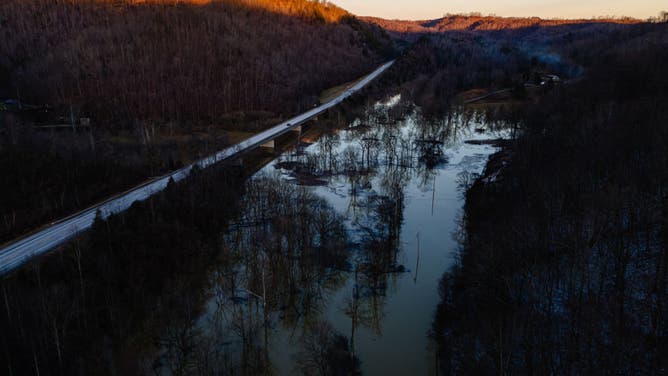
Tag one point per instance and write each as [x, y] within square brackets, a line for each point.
[478, 22]
[563, 262]
[158, 83]
[181, 62]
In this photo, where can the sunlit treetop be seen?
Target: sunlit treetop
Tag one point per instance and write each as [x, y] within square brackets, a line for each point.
[312, 9]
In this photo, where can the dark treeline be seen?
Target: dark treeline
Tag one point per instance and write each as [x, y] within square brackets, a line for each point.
[180, 61]
[564, 259]
[438, 67]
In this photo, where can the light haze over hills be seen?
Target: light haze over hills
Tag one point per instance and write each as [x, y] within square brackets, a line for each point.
[429, 9]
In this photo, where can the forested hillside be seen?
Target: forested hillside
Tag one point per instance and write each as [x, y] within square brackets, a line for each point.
[564, 258]
[159, 83]
[477, 22]
[458, 53]
[180, 61]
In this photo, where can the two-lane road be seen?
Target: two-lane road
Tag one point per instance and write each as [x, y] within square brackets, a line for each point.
[18, 252]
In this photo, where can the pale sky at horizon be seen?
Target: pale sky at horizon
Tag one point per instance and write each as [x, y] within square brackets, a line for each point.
[430, 9]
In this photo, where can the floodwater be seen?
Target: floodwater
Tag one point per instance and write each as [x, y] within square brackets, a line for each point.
[355, 291]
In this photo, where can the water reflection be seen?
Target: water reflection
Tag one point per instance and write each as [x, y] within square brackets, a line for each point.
[317, 247]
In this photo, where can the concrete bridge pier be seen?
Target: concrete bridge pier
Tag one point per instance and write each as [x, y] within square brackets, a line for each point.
[298, 131]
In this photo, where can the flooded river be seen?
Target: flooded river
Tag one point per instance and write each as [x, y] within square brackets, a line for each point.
[325, 261]
[344, 242]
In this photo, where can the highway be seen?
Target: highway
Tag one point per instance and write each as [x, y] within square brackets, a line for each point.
[16, 253]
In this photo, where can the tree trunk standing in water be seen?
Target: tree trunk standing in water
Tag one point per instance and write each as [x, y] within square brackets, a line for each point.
[57, 343]
[34, 355]
[77, 255]
[4, 338]
[661, 286]
[4, 293]
[621, 259]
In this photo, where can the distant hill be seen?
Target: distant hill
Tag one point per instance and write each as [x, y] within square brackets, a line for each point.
[445, 57]
[473, 23]
[180, 61]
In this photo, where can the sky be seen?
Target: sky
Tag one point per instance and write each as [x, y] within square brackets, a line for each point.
[430, 9]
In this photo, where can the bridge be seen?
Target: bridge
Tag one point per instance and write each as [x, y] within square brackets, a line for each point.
[16, 253]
